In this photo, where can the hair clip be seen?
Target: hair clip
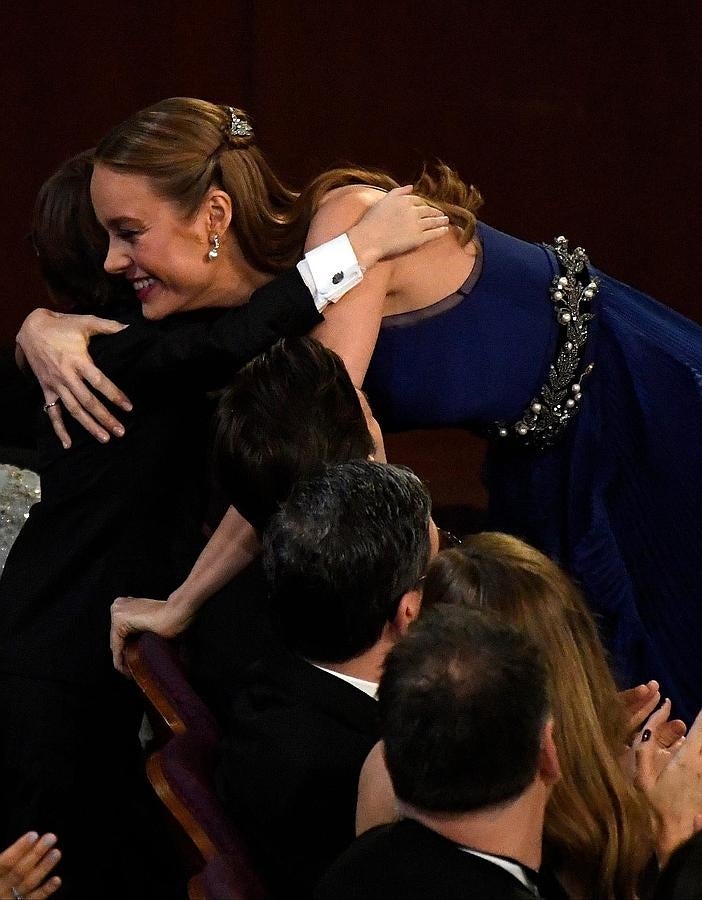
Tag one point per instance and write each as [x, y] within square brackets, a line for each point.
[238, 126]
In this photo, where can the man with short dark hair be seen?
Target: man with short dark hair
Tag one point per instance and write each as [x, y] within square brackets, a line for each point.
[344, 557]
[469, 748]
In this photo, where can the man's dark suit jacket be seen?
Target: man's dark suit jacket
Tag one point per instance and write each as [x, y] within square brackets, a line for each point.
[125, 517]
[407, 861]
[295, 744]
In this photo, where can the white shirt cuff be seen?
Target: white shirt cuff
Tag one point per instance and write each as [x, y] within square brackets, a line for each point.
[330, 271]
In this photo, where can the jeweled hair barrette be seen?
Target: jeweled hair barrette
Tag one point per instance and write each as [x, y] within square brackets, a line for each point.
[239, 127]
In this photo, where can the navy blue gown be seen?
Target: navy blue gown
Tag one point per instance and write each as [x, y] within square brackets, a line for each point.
[618, 498]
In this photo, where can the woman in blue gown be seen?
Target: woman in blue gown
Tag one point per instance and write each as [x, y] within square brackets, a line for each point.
[590, 391]
[617, 495]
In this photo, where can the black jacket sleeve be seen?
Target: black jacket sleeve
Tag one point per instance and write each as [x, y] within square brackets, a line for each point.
[203, 349]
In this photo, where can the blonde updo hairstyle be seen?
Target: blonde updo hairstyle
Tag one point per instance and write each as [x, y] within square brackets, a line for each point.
[597, 828]
[187, 146]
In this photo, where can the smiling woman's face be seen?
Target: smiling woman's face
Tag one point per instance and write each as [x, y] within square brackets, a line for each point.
[153, 245]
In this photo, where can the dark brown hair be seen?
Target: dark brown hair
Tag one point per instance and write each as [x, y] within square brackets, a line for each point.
[286, 414]
[69, 242]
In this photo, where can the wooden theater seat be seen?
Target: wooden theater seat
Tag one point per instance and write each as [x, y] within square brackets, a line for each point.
[181, 775]
[174, 707]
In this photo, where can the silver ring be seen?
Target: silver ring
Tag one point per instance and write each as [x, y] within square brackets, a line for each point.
[16, 894]
[47, 406]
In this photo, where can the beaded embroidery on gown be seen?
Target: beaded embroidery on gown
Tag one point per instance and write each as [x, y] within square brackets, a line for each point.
[618, 499]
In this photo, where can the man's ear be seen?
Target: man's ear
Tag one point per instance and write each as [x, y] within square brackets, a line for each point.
[217, 207]
[407, 611]
[549, 767]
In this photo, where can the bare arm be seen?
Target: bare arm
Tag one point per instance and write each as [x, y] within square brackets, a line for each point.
[351, 328]
[231, 548]
[377, 803]
[55, 345]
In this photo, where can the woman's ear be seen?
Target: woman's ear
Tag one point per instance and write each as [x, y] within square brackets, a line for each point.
[217, 208]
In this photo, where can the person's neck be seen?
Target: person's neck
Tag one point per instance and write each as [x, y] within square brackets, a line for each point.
[236, 280]
[514, 829]
[367, 666]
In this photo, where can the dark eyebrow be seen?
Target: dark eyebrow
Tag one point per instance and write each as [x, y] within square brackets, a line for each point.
[123, 222]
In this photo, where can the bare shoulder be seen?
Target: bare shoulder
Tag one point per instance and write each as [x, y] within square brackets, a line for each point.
[339, 210]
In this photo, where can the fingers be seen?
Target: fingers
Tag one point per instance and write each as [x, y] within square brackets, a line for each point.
[647, 745]
[95, 409]
[670, 733]
[104, 326]
[117, 639]
[640, 703]
[119, 632]
[56, 418]
[34, 880]
[634, 697]
[74, 408]
[107, 388]
[403, 189]
[28, 862]
[433, 234]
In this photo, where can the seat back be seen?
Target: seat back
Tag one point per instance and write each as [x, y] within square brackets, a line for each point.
[217, 881]
[181, 775]
[175, 707]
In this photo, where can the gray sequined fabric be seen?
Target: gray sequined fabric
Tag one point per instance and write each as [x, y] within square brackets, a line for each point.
[19, 489]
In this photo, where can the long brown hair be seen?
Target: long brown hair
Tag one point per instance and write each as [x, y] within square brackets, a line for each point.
[597, 827]
[186, 146]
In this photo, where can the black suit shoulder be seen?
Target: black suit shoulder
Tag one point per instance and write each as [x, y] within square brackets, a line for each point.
[295, 743]
[407, 861]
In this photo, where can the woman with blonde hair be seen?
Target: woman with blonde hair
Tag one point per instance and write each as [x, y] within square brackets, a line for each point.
[597, 829]
[587, 387]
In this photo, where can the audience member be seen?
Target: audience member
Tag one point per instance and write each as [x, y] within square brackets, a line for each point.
[597, 832]
[469, 744]
[480, 329]
[121, 516]
[344, 557]
[285, 415]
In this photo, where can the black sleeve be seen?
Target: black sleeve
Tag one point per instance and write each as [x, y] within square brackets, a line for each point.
[204, 349]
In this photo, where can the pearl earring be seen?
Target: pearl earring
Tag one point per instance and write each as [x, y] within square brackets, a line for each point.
[214, 252]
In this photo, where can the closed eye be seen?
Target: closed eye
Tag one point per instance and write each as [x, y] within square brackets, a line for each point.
[128, 235]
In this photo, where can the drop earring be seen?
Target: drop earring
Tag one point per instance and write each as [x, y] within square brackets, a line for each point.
[214, 252]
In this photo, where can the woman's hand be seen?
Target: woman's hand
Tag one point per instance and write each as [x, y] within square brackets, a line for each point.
[25, 866]
[653, 748]
[671, 778]
[132, 615]
[399, 222]
[639, 702]
[55, 347]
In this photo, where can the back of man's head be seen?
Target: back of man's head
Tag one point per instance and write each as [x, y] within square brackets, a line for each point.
[341, 553]
[286, 413]
[464, 701]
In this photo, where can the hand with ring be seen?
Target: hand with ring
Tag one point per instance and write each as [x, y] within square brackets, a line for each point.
[55, 347]
[26, 865]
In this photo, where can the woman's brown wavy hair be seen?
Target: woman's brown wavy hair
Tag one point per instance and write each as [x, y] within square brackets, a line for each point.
[185, 146]
[597, 829]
